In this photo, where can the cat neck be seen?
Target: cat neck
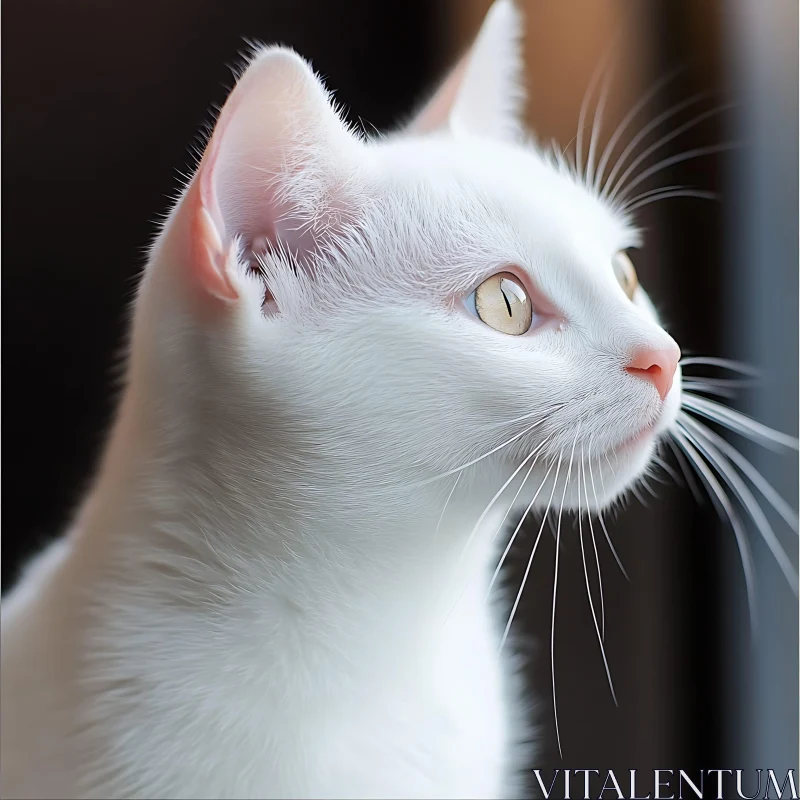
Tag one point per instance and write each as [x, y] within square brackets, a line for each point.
[204, 531]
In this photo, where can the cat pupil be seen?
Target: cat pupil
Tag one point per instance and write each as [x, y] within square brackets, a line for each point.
[508, 305]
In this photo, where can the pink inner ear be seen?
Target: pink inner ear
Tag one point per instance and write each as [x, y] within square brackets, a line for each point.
[484, 94]
[243, 211]
[436, 112]
[212, 256]
[274, 172]
[214, 260]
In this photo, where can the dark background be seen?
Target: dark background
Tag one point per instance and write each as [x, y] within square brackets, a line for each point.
[102, 105]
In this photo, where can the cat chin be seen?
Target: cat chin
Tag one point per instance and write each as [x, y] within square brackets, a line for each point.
[593, 484]
[613, 476]
[632, 464]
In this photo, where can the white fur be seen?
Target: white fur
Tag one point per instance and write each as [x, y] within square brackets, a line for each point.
[261, 596]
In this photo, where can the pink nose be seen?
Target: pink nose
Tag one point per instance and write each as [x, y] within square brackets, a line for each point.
[656, 366]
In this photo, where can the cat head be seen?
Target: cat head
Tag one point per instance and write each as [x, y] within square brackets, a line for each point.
[392, 309]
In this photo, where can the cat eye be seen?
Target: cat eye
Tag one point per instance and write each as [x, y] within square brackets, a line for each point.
[625, 273]
[503, 304]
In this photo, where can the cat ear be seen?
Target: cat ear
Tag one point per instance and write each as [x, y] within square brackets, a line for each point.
[273, 174]
[484, 94]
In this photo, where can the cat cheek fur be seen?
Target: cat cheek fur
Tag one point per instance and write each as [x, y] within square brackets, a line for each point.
[276, 586]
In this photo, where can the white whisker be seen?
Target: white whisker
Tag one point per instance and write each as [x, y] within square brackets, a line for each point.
[708, 388]
[480, 458]
[737, 421]
[597, 123]
[695, 193]
[586, 577]
[517, 530]
[725, 363]
[686, 470]
[603, 522]
[564, 149]
[505, 423]
[635, 491]
[688, 155]
[530, 559]
[657, 479]
[596, 556]
[626, 120]
[596, 75]
[659, 144]
[491, 503]
[446, 503]
[514, 499]
[723, 505]
[674, 187]
[643, 480]
[745, 497]
[729, 383]
[668, 469]
[756, 478]
[646, 129]
[555, 592]
[677, 188]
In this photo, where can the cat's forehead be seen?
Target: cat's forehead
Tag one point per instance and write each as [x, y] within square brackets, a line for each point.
[479, 202]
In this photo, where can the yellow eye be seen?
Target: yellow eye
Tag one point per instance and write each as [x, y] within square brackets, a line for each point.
[625, 273]
[503, 304]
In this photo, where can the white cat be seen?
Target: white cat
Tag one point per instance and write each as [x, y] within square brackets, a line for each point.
[342, 350]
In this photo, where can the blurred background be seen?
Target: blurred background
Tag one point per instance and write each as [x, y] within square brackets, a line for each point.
[102, 104]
